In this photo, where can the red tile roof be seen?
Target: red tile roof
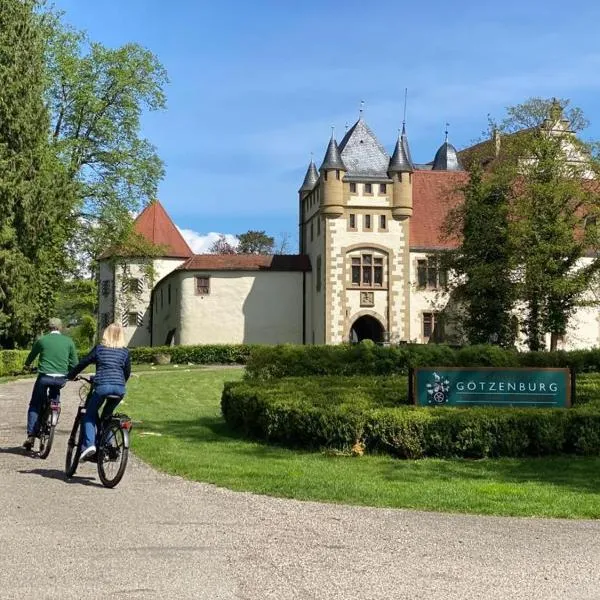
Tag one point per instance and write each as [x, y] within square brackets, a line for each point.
[154, 224]
[247, 262]
[434, 194]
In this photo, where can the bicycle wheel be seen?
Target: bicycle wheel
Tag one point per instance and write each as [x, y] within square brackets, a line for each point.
[113, 452]
[74, 447]
[46, 434]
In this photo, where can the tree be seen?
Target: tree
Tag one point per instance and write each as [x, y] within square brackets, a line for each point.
[255, 242]
[221, 246]
[548, 203]
[483, 261]
[96, 97]
[36, 199]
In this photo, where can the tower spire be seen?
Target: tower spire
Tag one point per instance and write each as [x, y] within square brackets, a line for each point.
[404, 113]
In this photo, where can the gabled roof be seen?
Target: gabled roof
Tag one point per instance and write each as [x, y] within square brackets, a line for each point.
[362, 153]
[434, 194]
[155, 225]
[247, 262]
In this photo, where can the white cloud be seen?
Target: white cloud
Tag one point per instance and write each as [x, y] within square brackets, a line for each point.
[200, 243]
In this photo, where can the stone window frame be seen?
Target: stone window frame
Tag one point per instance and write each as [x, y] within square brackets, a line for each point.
[368, 227]
[132, 319]
[312, 230]
[202, 289]
[367, 189]
[434, 321]
[318, 226]
[134, 285]
[430, 276]
[383, 188]
[352, 188]
[319, 274]
[383, 219]
[369, 265]
[352, 216]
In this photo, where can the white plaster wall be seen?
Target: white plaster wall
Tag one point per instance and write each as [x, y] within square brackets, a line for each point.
[124, 303]
[242, 307]
[315, 306]
[167, 315]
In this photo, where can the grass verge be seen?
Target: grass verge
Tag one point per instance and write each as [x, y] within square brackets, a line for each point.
[184, 434]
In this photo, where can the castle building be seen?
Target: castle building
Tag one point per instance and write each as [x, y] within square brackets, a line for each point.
[370, 237]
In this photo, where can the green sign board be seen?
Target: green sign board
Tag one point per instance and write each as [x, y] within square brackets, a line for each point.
[449, 386]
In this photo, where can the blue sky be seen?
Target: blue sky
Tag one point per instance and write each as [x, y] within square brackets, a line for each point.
[256, 86]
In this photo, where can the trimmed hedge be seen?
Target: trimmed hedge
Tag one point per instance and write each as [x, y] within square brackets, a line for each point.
[339, 412]
[215, 354]
[268, 362]
[12, 362]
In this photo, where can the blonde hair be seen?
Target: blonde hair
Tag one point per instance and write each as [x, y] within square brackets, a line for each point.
[112, 336]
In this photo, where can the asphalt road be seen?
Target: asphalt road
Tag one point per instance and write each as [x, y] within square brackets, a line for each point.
[156, 536]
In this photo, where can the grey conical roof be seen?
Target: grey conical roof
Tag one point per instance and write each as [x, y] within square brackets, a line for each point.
[333, 158]
[446, 158]
[362, 153]
[401, 161]
[311, 178]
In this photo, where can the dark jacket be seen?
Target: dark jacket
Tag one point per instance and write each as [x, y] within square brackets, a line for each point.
[113, 365]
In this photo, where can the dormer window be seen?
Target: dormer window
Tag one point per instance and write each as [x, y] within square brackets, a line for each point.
[368, 188]
[353, 188]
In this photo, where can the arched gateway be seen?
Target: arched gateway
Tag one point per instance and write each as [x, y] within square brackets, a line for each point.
[366, 328]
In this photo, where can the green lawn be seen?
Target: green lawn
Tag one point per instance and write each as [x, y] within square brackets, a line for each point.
[183, 433]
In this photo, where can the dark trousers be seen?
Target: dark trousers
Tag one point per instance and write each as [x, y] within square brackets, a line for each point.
[42, 384]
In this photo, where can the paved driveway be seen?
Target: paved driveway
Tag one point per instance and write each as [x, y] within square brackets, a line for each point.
[157, 536]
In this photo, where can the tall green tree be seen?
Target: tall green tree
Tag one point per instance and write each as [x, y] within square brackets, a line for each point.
[97, 96]
[36, 200]
[483, 261]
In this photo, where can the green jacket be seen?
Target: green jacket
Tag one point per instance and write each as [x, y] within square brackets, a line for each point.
[57, 354]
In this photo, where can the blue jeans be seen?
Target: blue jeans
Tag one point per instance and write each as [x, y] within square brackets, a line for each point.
[40, 387]
[90, 418]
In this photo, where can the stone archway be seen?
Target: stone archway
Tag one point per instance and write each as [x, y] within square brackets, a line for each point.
[367, 328]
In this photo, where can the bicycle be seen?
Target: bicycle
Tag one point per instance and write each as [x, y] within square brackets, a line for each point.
[112, 447]
[48, 419]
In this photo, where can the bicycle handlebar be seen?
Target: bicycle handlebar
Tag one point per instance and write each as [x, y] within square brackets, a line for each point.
[89, 379]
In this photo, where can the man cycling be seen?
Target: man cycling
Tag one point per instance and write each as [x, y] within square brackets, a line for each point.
[57, 355]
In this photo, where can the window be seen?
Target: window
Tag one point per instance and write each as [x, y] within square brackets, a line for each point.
[431, 274]
[382, 188]
[169, 293]
[353, 188]
[133, 285]
[318, 282]
[318, 225]
[337, 174]
[367, 270]
[382, 222]
[352, 221]
[105, 287]
[133, 319]
[433, 327]
[368, 188]
[312, 231]
[104, 320]
[325, 175]
[202, 286]
[367, 221]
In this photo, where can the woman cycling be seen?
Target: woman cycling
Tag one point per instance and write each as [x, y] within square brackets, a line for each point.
[113, 368]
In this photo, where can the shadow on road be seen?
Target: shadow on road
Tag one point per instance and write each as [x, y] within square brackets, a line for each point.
[60, 475]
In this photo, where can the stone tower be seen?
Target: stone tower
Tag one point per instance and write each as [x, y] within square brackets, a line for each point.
[354, 227]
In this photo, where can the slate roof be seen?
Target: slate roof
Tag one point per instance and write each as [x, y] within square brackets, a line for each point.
[333, 159]
[401, 161]
[247, 262]
[310, 179]
[362, 153]
[446, 158]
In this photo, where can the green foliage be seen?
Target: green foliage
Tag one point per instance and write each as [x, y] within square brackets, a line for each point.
[12, 362]
[255, 242]
[484, 260]
[36, 199]
[338, 412]
[76, 300]
[96, 97]
[219, 354]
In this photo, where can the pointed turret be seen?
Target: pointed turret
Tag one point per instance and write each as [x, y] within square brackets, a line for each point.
[310, 179]
[401, 161]
[333, 158]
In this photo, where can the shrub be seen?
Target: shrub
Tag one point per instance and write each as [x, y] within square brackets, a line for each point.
[224, 354]
[338, 412]
[12, 362]
[267, 362]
